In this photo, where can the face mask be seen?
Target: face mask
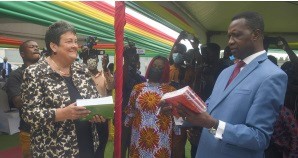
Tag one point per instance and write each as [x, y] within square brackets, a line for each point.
[139, 72]
[155, 74]
[232, 57]
[178, 58]
[92, 64]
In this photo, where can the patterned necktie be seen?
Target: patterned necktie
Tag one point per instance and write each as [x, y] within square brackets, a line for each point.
[236, 71]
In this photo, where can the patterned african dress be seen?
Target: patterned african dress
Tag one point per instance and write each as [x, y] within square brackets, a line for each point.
[151, 133]
[285, 133]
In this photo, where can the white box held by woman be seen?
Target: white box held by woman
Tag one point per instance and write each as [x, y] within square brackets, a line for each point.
[99, 106]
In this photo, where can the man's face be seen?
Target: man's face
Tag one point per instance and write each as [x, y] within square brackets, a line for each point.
[240, 39]
[132, 60]
[31, 52]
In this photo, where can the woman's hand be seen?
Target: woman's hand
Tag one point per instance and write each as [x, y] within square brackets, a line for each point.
[98, 119]
[71, 112]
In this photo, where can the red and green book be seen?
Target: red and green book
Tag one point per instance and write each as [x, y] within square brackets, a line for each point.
[187, 97]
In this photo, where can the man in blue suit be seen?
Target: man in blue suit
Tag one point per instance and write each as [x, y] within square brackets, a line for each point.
[241, 110]
[5, 68]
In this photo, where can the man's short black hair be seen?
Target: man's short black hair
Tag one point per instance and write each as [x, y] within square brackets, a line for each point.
[55, 31]
[253, 19]
[213, 47]
[23, 45]
[181, 47]
[130, 51]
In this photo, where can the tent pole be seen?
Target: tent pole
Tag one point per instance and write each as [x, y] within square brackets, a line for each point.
[119, 24]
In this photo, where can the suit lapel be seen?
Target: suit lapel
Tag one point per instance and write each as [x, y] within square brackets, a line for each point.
[238, 79]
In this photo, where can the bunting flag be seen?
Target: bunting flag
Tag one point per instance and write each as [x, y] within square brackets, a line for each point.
[119, 34]
[95, 18]
[6, 42]
[104, 46]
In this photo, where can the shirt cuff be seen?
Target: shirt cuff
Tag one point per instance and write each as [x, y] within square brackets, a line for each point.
[220, 130]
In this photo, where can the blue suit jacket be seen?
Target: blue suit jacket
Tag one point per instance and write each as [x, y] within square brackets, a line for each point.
[249, 106]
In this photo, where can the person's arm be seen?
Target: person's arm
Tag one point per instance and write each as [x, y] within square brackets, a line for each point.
[72, 112]
[17, 101]
[9, 68]
[285, 46]
[195, 43]
[109, 78]
[13, 88]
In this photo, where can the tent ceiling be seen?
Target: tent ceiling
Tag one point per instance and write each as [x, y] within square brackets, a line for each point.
[216, 16]
[213, 17]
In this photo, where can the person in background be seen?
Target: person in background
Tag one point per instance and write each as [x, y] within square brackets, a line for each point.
[49, 92]
[225, 61]
[192, 78]
[210, 68]
[29, 52]
[151, 132]
[104, 82]
[284, 142]
[177, 76]
[245, 100]
[103, 79]
[5, 68]
[130, 79]
[111, 69]
[176, 59]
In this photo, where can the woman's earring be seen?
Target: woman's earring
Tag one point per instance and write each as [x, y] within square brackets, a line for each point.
[54, 53]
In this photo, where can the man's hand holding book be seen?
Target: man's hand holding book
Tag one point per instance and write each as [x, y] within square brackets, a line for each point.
[187, 104]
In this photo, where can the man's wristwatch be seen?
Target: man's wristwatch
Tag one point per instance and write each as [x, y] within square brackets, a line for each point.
[213, 129]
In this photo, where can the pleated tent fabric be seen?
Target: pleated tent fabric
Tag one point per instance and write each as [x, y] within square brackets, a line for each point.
[7, 42]
[166, 14]
[93, 18]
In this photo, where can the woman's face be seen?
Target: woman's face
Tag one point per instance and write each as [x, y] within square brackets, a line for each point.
[68, 47]
[156, 70]
[158, 63]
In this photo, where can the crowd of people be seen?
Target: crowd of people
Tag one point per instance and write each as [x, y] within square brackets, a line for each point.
[251, 102]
